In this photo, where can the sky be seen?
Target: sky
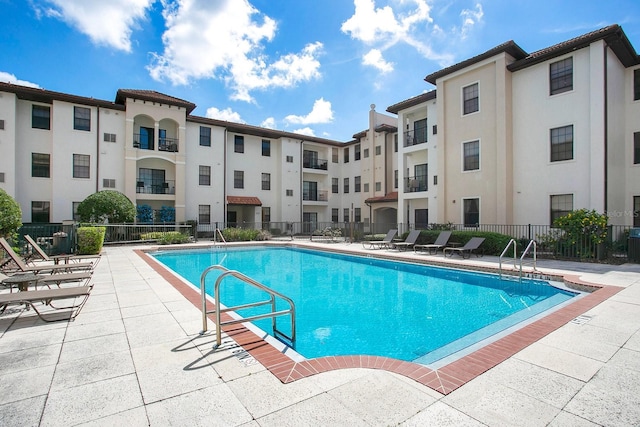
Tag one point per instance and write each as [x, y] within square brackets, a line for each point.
[306, 66]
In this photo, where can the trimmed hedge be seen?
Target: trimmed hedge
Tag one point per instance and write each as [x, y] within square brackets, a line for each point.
[90, 240]
[244, 234]
[493, 244]
[165, 237]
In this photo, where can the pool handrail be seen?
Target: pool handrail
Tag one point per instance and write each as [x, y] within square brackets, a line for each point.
[218, 311]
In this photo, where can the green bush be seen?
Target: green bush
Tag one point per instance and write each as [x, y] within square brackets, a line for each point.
[493, 244]
[244, 234]
[107, 205]
[90, 240]
[10, 215]
[166, 237]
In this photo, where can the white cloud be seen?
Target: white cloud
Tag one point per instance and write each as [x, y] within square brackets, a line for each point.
[469, 20]
[223, 40]
[107, 23]
[269, 123]
[227, 115]
[305, 131]
[375, 59]
[10, 78]
[321, 113]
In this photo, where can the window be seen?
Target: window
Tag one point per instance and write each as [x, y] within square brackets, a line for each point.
[266, 217]
[561, 76]
[204, 214]
[636, 211]
[2, 124]
[204, 175]
[310, 190]
[266, 181]
[238, 179]
[145, 139]
[289, 159]
[395, 143]
[471, 209]
[40, 165]
[109, 183]
[366, 153]
[357, 216]
[1, 176]
[378, 186]
[470, 99]
[562, 143]
[378, 150]
[40, 117]
[40, 211]
[636, 84]
[346, 155]
[435, 179]
[151, 181]
[334, 185]
[238, 145]
[334, 155]
[636, 148]
[434, 130]
[356, 152]
[345, 214]
[109, 137]
[561, 205]
[205, 136]
[74, 210]
[334, 215]
[346, 186]
[419, 132]
[356, 184]
[365, 187]
[289, 193]
[81, 166]
[81, 118]
[266, 148]
[395, 178]
[471, 156]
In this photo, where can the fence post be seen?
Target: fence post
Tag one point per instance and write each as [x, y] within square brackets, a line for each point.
[529, 232]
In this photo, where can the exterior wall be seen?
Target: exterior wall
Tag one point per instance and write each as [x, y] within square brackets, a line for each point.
[632, 171]
[8, 159]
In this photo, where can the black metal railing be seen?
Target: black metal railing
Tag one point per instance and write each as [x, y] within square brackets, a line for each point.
[415, 137]
[168, 144]
[316, 196]
[166, 187]
[413, 184]
[315, 164]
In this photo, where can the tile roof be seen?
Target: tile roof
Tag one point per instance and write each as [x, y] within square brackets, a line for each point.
[243, 200]
[416, 100]
[47, 96]
[389, 197]
[153, 96]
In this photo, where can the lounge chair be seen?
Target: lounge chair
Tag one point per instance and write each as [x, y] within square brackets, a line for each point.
[48, 280]
[46, 297]
[41, 268]
[57, 259]
[408, 243]
[433, 248]
[465, 251]
[379, 244]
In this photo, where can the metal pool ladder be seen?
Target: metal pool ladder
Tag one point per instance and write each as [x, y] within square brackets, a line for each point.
[514, 244]
[248, 281]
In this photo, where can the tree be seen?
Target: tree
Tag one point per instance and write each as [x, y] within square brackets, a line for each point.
[107, 205]
[10, 215]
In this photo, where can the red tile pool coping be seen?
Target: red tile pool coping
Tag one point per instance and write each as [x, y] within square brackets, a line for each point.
[443, 380]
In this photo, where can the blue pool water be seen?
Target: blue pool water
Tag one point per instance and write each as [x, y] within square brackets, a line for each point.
[348, 305]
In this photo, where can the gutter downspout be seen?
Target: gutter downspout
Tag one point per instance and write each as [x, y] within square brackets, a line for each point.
[98, 149]
[224, 181]
[606, 131]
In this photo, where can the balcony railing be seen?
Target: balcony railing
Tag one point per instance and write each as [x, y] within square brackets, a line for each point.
[166, 187]
[144, 142]
[413, 184]
[168, 144]
[415, 137]
[317, 196]
[315, 164]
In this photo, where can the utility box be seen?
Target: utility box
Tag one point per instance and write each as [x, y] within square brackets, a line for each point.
[634, 245]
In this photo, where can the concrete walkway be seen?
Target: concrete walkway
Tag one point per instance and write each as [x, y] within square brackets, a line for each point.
[134, 357]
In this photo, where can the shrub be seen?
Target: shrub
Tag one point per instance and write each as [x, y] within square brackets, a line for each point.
[10, 215]
[583, 223]
[244, 234]
[165, 237]
[107, 205]
[493, 244]
[167, 214]
[144, 214]
[90, 240]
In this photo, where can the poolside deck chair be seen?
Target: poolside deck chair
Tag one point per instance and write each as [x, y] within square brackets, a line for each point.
[433, 248]
[465, 251]
[21, 265]
[58, 259]
[408, 243]
[81, 278]
[46, 297]
[379, 244]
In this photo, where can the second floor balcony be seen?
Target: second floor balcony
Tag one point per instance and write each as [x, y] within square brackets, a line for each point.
[146, 142]
[316, 196]
[315, 164]
[165, 187]
[415, 137]
[414, 184]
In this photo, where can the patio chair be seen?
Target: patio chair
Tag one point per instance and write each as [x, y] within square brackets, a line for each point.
[433, 248]
[27, 279]
[465, 251]
[57, 259]
[41, 268]
[379, 244]
[408, 243]
[46, 297]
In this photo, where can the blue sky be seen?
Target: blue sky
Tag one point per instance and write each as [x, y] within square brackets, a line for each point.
[311, 67]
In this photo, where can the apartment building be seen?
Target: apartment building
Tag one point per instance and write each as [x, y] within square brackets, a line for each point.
[59, 148]
[524, 138]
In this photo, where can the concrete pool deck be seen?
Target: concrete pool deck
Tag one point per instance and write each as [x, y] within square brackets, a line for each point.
[134, 357]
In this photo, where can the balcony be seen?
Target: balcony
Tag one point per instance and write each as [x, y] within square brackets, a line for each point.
[416, 137]
[414, 184]
[316, 196]
[145, 142]
[166, 187]
[315, 164]
[168, 144]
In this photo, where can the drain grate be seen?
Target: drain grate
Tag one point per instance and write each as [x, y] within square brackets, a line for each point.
[581, 320]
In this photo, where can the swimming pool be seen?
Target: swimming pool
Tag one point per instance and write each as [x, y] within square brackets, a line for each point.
[354, 305]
